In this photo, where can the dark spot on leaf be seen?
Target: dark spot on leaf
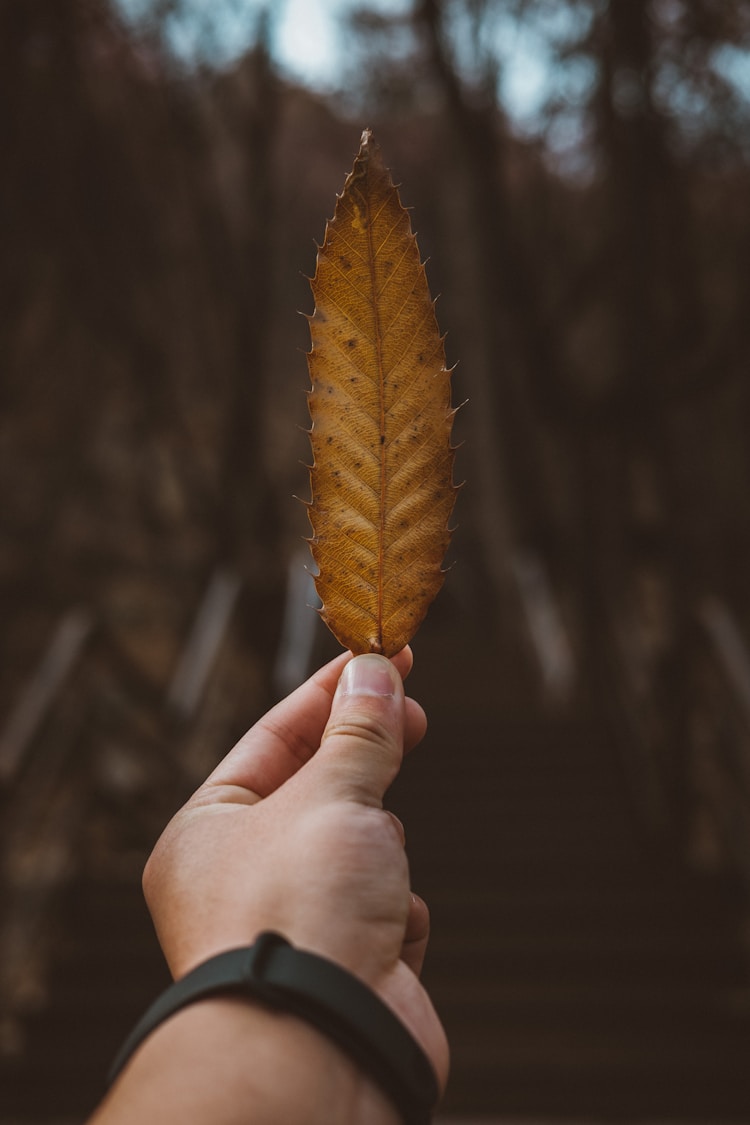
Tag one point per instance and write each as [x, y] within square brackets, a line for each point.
[351, 343]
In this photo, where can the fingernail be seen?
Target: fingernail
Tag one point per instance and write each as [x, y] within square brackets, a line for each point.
[369, 675]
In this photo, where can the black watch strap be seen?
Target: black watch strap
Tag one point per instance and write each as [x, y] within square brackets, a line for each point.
[320, 992]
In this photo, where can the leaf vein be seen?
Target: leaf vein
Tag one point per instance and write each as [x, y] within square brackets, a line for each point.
[392, 274]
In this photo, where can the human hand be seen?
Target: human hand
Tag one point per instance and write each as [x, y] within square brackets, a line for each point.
[289, 834]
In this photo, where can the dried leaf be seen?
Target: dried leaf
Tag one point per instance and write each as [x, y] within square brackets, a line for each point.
[381, 480]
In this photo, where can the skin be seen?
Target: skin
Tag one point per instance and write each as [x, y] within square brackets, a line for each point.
[289, 834]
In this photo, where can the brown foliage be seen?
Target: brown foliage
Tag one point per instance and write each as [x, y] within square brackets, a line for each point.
[382, 486]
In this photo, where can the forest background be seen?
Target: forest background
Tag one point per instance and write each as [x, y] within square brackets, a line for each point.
[591, 250]
[592, 261]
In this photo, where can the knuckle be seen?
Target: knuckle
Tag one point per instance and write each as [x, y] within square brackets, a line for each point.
[362, 728]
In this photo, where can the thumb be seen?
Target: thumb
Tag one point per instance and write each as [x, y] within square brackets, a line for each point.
[363, 742]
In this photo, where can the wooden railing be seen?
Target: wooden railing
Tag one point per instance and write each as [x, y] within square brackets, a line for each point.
[41, 802]
[694, 797]
[720, 749]
[47, 680]
[69, 742]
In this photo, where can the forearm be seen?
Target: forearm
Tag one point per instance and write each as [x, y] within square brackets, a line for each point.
[232, 1062]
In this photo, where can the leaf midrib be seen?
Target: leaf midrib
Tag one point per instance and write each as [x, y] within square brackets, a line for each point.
[378, 338]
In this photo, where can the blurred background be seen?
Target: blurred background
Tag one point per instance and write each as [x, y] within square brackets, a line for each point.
[579, 817]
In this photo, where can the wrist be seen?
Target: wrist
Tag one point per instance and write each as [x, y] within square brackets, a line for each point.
[302, 1076]
[323, 994]
[235, 1062]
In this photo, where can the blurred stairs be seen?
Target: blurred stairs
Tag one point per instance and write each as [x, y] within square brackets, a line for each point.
[107, 970]
[579, 974]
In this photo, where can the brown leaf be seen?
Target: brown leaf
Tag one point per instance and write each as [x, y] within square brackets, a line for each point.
[381, 480]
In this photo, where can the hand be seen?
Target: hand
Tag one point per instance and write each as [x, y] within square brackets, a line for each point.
[289, 834]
